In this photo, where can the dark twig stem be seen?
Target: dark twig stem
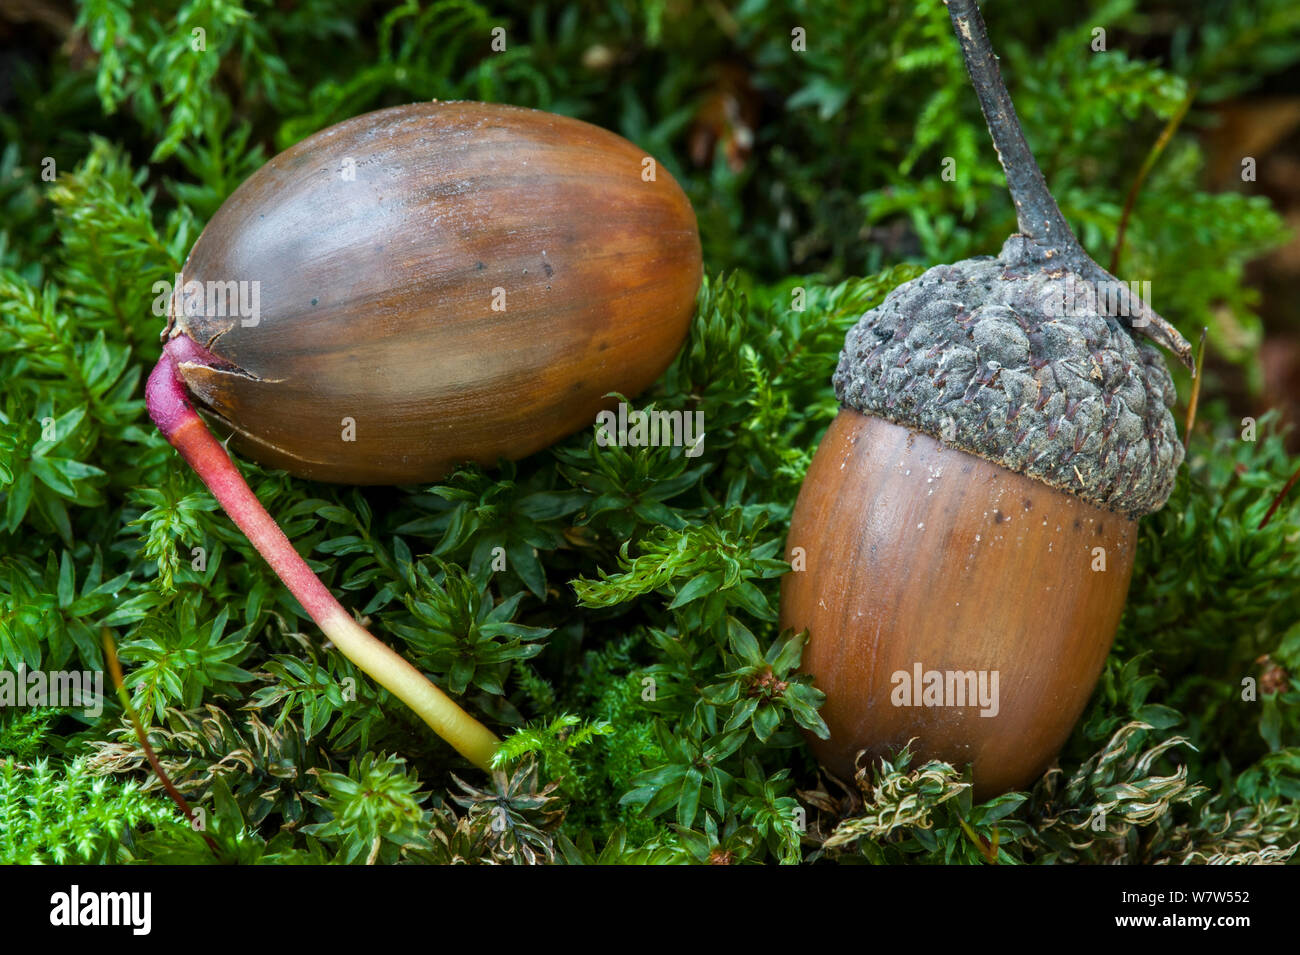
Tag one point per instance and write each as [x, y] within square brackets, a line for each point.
[115, 671]
[1037, 214]
[1277, 501]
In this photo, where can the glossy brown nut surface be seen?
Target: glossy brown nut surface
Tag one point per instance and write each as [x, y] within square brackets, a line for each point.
[920, 554]
[381, 246]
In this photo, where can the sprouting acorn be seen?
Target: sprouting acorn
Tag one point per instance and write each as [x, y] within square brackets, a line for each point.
[964, 537]
[460, 281]
[411, 289]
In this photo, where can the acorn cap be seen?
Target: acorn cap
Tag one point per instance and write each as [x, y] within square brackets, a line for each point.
[1028, 359]
[1018, 363]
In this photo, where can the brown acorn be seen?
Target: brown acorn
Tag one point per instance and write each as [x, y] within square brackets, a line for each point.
[408, 290]
[463, 281]
[964, 537]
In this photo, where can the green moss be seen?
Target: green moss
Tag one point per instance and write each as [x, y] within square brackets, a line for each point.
[623, 565]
